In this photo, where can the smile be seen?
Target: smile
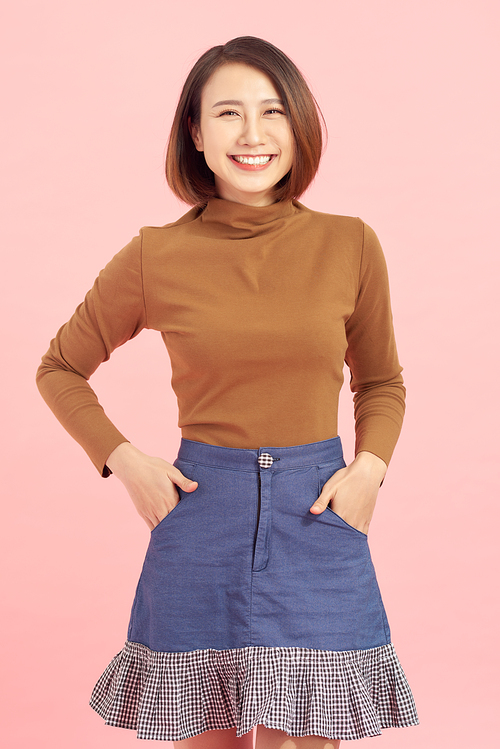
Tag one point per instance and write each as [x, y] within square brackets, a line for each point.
[252, 159]
[253, 163]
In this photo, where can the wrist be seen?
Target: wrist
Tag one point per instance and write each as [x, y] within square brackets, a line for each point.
[371, 464]
[120, 457]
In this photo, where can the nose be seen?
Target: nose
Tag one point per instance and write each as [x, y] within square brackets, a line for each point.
[253, 132]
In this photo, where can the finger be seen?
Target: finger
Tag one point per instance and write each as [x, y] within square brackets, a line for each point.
[187, 485]
[321, 503]
[157, 518]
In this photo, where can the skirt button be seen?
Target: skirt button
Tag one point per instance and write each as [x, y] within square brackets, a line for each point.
[265, 460]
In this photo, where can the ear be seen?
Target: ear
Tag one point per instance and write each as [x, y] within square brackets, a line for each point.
[195, 131]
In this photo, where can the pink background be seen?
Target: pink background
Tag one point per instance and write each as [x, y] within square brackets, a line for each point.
[410, 92]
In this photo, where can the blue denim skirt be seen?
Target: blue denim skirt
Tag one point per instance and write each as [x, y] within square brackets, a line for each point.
[250, 609]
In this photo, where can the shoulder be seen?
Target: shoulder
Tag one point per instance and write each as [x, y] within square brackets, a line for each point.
[351, 239]
[126, 266]
[345, 237]
[342, 228]
[159, 234]
[345, 227]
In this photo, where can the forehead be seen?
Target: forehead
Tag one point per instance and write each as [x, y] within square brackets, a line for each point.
[237, 81]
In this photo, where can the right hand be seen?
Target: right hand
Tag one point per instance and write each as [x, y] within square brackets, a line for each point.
[151, 482]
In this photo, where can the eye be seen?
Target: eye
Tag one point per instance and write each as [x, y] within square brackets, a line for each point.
[227, 111]
[274, 111]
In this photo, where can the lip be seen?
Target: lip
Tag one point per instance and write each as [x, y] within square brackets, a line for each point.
[251, 167]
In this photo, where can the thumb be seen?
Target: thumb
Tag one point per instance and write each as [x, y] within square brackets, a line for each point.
[187, 485]
[321, 503]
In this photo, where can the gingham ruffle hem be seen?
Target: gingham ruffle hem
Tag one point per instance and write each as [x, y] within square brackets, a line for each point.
[172, 696]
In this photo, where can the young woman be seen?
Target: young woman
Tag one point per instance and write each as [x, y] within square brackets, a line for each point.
[258, 603]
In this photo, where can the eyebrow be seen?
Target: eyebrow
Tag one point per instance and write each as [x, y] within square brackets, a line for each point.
[237, 103]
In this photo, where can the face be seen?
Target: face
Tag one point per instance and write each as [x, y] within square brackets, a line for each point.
[244, 134]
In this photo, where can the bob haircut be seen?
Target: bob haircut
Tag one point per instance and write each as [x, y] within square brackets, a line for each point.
[188, 175]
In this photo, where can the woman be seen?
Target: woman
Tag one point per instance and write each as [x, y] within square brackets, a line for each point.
[258, 604]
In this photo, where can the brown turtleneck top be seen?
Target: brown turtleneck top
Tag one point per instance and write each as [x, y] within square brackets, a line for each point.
[258, 308]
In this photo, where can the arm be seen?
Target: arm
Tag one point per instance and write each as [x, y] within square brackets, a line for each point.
[376, 381]
[379, 393]
[112, 313]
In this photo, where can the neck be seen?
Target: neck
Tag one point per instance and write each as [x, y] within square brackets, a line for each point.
[242, 220]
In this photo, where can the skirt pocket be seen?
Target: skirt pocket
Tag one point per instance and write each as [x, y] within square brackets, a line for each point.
[325, 472]
[189, 470]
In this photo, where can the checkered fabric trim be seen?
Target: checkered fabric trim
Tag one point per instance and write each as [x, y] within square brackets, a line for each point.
[173, 696]
[265, 460]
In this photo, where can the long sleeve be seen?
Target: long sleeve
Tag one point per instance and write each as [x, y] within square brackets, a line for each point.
[112, 313]
[376, 381]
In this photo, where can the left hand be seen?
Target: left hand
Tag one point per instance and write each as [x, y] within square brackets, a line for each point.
[352, 492]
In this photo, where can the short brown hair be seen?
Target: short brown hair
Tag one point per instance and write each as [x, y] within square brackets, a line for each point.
[187, 173]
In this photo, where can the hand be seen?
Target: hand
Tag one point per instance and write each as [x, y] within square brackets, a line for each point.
[151, 482]
[352, 492]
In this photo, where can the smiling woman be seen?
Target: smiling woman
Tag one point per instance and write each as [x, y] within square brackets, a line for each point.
[267, 74]
[258, 604]
[249, 148]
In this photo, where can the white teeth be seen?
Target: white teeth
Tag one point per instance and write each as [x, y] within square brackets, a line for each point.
[252, 159]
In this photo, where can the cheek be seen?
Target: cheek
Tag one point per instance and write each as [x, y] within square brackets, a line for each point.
[290, 153]
[215, 145]
[215, 155]
[287, 143]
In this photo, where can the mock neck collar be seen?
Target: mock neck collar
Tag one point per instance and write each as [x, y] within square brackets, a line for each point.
[242, 221]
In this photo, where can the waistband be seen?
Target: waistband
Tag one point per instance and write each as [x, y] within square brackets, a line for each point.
[262, 458]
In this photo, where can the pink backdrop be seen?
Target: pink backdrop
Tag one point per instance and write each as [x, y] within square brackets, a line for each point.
[410, 93]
